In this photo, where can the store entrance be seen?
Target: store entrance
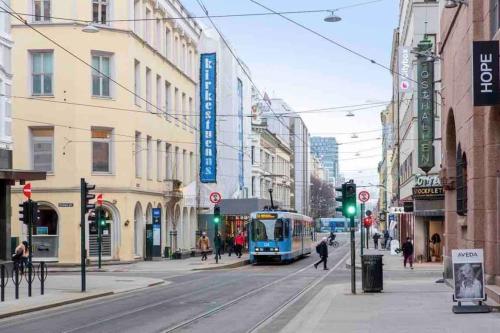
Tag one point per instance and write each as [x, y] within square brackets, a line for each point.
[434, 228]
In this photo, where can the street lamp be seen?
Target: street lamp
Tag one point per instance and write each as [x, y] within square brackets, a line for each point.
[349, 114]
[332, 18]
[90, 28]
[455, 3]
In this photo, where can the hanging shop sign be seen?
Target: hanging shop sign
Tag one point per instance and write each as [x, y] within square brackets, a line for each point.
[468, 274]
[486, 75]
[425, 72]
[428, 193]
[208, 147]
[404, 55]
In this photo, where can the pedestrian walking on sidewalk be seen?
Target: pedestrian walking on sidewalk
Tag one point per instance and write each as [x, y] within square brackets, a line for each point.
[217, 246]
[386, 239]
[408, 252]
[376, 237]
[230, 244]
[322, 250]
[239, 241]
[204, 245]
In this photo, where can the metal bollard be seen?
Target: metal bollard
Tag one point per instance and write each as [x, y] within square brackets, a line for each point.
[30, 277]
[16, 280]
[3, 283]
[42, 276]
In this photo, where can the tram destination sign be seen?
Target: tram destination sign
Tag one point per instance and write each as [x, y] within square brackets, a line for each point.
[267, 216]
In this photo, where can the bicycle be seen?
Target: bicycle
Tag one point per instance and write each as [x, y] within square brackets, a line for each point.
[334, 244]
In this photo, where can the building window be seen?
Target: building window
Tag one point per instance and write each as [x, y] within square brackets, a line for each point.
[252, 151]
[461, 182]
[168, 161]
[176, 104]
[100, 11]
[183, 110]
[148, 89]
[191, 166]
[176, 51]
[137, 82]
[176, 164]
[100, 75]
[137, 17]
[159, 97]
[41, 10]
[42, 140]
[167, 43]
[158, 35]
[138, 155]
[494, 17]
[167, 99]
[149, 157]
[191, 113]
[159, 160]
[101, 150]
[42, 73]
[147, 24]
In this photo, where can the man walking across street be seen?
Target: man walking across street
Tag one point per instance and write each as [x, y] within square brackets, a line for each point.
[376, 237]
[239, 241]
[204, 245]
[322, 249]
[217, 246]
[408, 252]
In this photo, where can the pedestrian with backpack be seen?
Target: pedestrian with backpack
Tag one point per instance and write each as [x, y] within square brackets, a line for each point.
[322, 250]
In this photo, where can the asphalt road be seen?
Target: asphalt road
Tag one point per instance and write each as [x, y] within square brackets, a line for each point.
[232, 300]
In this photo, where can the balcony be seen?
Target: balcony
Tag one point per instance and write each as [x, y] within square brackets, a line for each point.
[173, 189]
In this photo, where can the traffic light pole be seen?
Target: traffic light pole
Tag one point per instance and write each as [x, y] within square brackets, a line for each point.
[31, 214]
[83, 251]
[362, 216]
[99, 235]
[353, 258]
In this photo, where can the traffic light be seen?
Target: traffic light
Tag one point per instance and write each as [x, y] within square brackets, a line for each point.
[341, 198]
[102, 218]
[24, 212]
[86, 196]
[216, 215]
[35, 213]
[350, 204]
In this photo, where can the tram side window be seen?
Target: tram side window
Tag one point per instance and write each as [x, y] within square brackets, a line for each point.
[278, 230]
[286, 223]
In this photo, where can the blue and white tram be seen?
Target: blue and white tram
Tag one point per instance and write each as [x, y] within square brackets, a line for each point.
[279, 236]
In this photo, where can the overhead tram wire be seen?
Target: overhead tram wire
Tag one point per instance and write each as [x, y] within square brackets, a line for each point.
[205, 10]
[25, 22]
[352, 51]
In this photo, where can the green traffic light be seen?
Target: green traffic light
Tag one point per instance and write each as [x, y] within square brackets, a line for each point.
[216, 220]
[351, 210]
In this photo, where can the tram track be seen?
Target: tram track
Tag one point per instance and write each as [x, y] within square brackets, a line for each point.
[252, 292]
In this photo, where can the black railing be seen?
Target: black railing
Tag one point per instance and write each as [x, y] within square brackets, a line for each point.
[17, 273]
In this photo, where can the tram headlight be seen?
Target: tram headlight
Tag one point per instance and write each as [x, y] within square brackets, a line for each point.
[276, 249]
[257, 249]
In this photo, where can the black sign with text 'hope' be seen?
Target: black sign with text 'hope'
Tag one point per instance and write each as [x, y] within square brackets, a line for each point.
[486, 73]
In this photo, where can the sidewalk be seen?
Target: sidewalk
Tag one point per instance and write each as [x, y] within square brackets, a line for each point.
[164, 265]
[65, 289]
[411, 301]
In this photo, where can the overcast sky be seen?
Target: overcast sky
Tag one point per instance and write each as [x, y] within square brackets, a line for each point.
[308, 72]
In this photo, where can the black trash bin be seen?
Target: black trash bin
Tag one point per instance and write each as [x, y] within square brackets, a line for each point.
[372, 273]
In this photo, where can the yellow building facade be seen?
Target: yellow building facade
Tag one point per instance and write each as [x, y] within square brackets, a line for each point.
[118, 111]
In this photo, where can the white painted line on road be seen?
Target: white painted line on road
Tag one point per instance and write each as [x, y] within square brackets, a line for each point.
[295, 298]
[251, 292]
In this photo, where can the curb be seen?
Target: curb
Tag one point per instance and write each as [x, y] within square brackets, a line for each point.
[228, 266]
[74, 300]
[55, 304]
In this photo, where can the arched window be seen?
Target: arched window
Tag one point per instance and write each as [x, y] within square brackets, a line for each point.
[461, 182]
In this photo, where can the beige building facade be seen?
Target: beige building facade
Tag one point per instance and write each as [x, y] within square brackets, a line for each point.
[118, 111]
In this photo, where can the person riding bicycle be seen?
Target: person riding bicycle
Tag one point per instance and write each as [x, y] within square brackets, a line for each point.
[332, 237]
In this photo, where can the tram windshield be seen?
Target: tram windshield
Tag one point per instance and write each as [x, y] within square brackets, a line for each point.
[266, 230]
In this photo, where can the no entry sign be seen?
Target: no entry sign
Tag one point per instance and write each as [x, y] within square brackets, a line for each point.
[215, 197]
[27, 190]
[364, 196]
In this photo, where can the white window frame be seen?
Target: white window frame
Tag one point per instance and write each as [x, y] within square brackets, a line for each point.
[99, 13]
[149, 88]
[111, 150]
[168, 43]
[44, 18]
[41, 139]
[149, 158]
[168, 99]
[42, 73]
[137, 82]
[101, 77]
[159, 160]
[159, 94]
[138, 155]
[147, 25]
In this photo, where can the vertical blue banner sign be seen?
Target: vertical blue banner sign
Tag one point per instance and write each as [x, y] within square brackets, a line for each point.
[208, 147]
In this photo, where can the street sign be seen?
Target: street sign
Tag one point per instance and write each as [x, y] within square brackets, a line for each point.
[364, 196]
[99, 199]
[215, 197]
[397, 210]
[27, 190]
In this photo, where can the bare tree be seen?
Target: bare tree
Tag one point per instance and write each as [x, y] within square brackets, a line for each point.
[322, 198]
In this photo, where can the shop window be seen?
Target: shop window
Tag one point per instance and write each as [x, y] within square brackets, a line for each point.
[461, 182]
[45, 233]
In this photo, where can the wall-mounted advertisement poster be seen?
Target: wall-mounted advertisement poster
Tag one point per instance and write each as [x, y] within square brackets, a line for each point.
[468, 274]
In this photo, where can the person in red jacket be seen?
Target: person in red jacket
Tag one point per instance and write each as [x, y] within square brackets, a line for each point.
[239, 241]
